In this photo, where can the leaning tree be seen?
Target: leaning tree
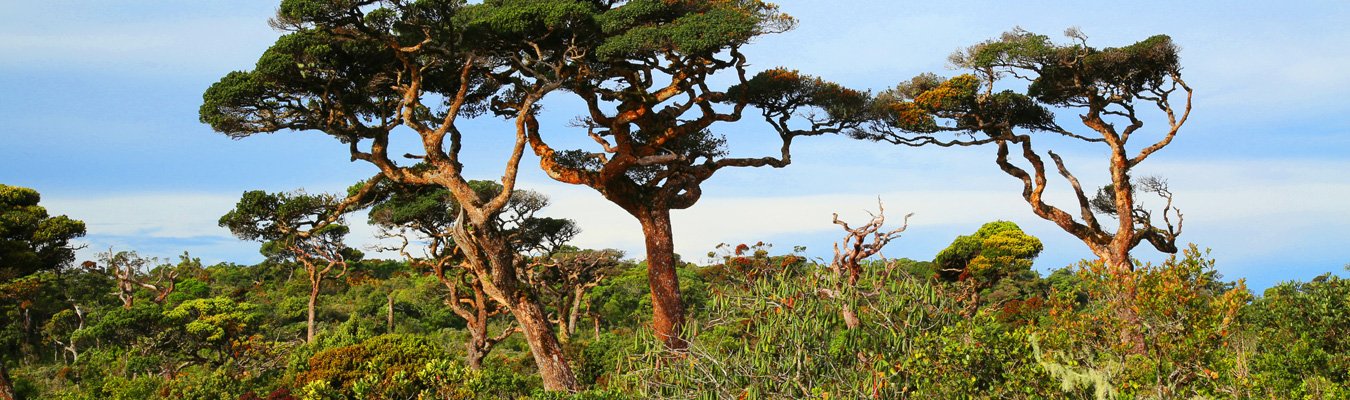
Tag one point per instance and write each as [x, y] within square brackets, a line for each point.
[426, 214]
[652, 75]
[366, 71]
[1113, 91]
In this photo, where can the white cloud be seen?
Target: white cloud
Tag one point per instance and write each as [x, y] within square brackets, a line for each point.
[159, 215]
[135, 46]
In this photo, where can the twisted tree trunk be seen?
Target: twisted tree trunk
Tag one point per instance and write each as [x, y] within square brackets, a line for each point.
[493, 261]
[477, 347]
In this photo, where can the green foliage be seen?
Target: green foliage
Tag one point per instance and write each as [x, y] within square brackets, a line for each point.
[767, 334]
[1300, 334]
[622, 301]
[1188, 317]
[402, 366]
[431, 211]
[1065, 73]
[643, 27]
[30, 239]
[780, 338]
[290, 225]
[994, 264]
[341, 367]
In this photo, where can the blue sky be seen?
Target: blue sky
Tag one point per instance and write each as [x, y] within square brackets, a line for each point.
[98, 105]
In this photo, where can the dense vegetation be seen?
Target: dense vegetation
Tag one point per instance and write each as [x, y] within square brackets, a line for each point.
[975, 322]
[489, 300]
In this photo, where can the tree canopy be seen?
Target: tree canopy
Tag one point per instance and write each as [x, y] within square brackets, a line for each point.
[31, 240]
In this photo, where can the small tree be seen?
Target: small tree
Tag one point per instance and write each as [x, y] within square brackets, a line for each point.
[567, 275]
[859, 244]
[995, 263]
[1110, 89]
[297, 226]
[132, 272]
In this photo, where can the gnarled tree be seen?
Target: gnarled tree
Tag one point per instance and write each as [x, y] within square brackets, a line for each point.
[567, 275]
[132, 271]
[647, 72]
[860, 243]
[364, 71]
[1111, 89]
[427, 214]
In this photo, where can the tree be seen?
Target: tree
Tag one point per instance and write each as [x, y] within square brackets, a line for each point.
[567, 275]
[129, 269]
[427, 214]
[646, 70]
[297, 226]
[211, 330]
[1110, 88]
[993, 263]
[847, 263]
[30, 241]
[363, 70]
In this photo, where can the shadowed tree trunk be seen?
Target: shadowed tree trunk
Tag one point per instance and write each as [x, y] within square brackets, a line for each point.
[389, 314]
[578, 296]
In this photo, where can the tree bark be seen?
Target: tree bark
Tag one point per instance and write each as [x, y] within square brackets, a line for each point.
[476, 348]
[577, 296]
[851, 320]
[314, 281]
[493, 261]
[667, 307]
[389, 315]
[6, 385]
[595, 323]
[548, 353]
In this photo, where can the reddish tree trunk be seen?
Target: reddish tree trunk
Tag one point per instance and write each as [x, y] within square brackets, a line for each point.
[544, 346]
[477, 347]
[493, 261]
[667, 308]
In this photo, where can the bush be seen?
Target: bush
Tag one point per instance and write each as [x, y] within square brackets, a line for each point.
[1300, 332]
[1187, 316]
[782, 337]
